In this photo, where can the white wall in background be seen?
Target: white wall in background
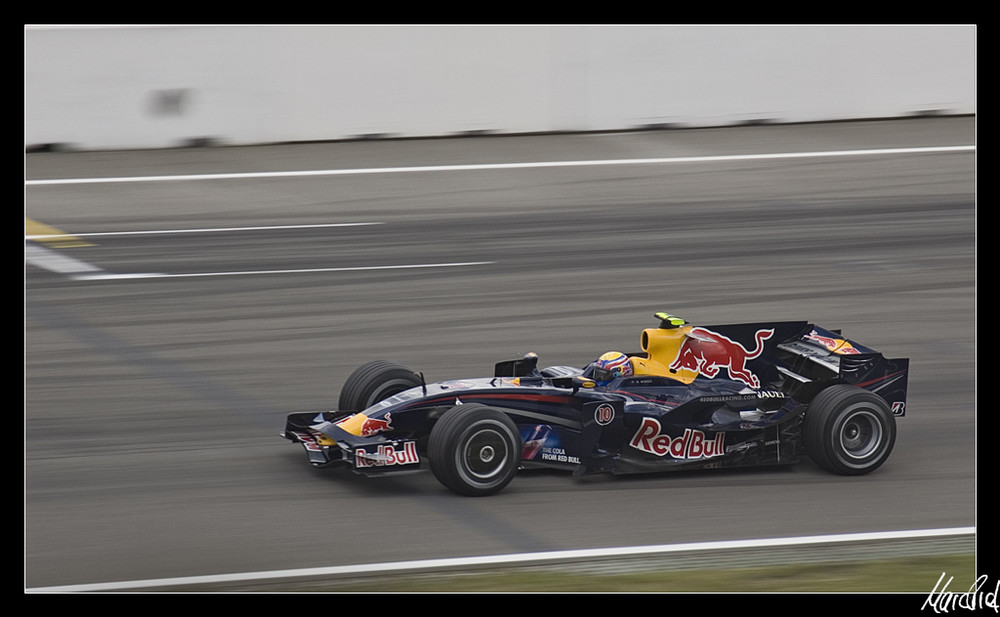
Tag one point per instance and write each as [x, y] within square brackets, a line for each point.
[164, 86]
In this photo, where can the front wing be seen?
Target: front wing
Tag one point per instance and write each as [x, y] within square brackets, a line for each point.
[326, 444]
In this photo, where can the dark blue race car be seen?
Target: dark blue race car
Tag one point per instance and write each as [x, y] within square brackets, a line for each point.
[693, 397]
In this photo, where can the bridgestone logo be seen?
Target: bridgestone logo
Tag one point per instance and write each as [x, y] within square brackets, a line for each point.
[693, 444]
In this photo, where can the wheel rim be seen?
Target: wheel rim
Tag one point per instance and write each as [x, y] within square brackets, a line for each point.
[861, 435]
[485, 455]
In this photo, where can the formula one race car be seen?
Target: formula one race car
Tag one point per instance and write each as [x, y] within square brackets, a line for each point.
[694, 397]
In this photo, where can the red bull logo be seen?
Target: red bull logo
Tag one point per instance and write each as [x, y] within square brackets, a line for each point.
[387, 455]
[360, 424]
[706, 352]
[693, 444]
[836, 345]
[372, 426]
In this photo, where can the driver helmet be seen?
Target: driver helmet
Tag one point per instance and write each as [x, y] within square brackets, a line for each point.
[612, 365]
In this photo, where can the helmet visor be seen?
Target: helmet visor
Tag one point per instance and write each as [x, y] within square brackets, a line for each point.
[603, 374]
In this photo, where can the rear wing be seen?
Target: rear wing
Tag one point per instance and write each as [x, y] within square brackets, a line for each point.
[819, 357]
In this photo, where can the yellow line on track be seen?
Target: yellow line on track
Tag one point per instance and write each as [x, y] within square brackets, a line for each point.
[50, 236]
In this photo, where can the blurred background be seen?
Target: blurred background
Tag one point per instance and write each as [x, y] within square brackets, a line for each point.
[248, 213]
[166, 86]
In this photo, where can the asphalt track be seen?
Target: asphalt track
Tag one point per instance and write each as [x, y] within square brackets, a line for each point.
[153, 403]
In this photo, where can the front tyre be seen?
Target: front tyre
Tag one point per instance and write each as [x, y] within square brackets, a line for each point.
[849, 430]
[374, 382]
[474, 450]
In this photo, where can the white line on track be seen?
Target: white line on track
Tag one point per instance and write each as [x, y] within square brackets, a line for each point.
[76, 269]
[489, 166]
[52, 261]
[459, 562]
[82, 271]
[105, 276]
[194, 231]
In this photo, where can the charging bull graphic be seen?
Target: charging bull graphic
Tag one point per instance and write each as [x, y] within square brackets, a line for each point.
[836, 345]
[706, 352]
[374, 425]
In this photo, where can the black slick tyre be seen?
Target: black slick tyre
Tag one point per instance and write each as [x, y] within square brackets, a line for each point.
[373, 382]
[849, 430]
[474, 450]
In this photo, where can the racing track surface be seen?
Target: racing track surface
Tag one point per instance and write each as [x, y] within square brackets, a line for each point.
[153, 405]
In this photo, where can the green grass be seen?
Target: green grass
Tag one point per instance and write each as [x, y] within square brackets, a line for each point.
[905, 575]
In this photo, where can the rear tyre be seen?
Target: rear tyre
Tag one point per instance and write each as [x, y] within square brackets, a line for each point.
[849, 430]
[474, 450]
[373, 382]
